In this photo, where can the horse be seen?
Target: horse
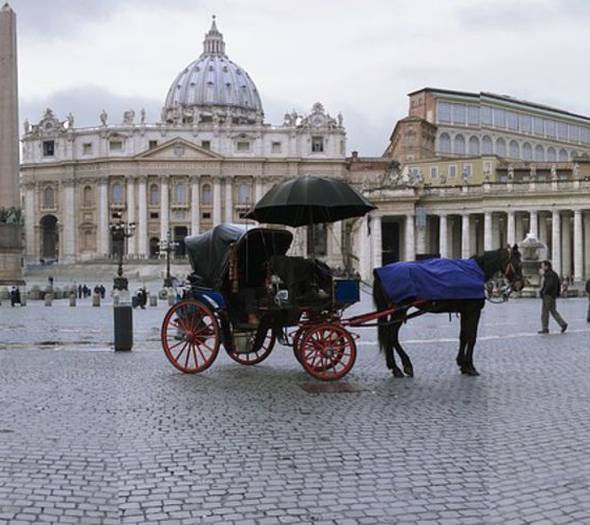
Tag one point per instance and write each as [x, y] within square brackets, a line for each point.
[505, 260]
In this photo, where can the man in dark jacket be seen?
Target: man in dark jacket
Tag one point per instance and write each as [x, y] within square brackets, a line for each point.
[588, 292]
[549, 293]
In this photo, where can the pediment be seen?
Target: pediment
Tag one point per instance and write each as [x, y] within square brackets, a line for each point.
[178, 149]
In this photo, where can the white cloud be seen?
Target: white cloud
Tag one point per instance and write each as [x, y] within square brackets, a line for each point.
[361, 58]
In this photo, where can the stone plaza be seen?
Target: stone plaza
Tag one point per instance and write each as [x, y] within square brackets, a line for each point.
[91, 436]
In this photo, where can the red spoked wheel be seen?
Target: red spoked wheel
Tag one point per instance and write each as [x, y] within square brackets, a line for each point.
[190, 336]
[250, 357]
[327, 352]
[297, 342]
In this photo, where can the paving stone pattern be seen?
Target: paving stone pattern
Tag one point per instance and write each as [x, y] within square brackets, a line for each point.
[91, 436]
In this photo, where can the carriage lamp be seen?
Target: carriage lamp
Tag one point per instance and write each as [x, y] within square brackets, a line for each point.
[167, 246]
[119, 232]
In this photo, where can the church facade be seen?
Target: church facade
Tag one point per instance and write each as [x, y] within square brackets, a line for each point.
[207, 160]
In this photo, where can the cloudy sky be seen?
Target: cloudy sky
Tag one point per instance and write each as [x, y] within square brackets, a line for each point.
[357, 57]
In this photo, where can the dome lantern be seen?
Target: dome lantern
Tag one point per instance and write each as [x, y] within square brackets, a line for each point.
[213, 43]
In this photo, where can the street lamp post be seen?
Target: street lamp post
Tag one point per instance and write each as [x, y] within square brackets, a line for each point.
[119, 232]
[167, 246]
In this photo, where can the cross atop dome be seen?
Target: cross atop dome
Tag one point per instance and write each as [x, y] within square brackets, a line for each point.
[213, 43]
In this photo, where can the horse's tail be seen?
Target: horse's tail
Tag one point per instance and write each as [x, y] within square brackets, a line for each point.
[384, 330]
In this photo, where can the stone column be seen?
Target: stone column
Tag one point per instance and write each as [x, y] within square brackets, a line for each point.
[131, 241]
[142, 220]
[335, 243]
[519, 226]
[410, 254]
[587, 244]
[164, 208]
[103, 217]
[216, 201]
[578, 247]
[543, 228]
[487, 231]
[556, 241]
[566, 245]
[195, 205]
[376, 243]
[229, 200]
[443, 246]
[534, 223]
[465, 236]
[31, 221]
[510, 229]
[360, 246]
[258, 189]
[69, 227]
[9, 143]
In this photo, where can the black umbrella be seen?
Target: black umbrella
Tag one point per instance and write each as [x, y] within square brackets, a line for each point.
[309, 200]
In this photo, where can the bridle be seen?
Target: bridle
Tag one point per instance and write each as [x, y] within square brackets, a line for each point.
[510, 273]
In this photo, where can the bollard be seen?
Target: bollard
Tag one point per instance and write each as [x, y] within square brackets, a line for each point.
[123, 314]
[23, 299]
[171, 297]
[116, 299]
[96, 300]
[153, 300]
[72, 299]
[48, 299]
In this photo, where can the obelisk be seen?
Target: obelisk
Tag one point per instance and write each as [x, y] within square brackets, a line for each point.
[10, 228]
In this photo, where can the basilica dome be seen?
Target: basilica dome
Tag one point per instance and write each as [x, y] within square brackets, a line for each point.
[212, 88]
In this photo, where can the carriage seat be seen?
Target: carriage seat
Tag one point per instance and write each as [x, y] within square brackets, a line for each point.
[307, 281]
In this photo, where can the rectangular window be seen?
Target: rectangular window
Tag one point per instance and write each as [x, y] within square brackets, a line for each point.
[548, 125]
[243, 145]
[538, 126]
[116, 145]
[48, 148]
[467, 170]
[152, 144]
[206, 144]
[433, 172]
[459, 113]
[317, 144]
[586, 135]
[452, 170]
[276, 147]
[206, 215]
[473, 115]
[87, 148]
[499, 118]
[154, 215]
[512, 120]
[574, 133]
[443, 112]
[525, 123]
[562, 130]
[486, 115]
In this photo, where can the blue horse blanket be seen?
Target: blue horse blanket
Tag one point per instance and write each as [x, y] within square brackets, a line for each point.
[432, 279]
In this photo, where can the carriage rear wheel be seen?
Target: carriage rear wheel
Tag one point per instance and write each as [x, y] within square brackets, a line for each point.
[297, 343]
[190, 336]
[327, 352]
[254, 356]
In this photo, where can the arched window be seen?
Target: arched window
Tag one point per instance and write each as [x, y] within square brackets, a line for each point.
[180, 192]
[474, 146]
[563, 157]
[459, 145]
[487, 147]
[48, 198]
[87, 196]
[551, 154]
[154, 195]
[244, 193]
[444, 143]
[527, 151]
[117, 190]
[514, 149]
[501, 147]
[206, 196]
[539, 153]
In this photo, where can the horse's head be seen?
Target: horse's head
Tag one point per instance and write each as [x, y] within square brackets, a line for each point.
[512, 268]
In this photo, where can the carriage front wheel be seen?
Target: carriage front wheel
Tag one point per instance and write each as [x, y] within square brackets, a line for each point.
[190, 336]
[327, 351]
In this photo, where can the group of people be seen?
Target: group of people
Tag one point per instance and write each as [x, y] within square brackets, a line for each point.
[551, 289]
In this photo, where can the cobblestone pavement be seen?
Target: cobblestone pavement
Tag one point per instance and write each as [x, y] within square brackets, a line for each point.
[90, 436]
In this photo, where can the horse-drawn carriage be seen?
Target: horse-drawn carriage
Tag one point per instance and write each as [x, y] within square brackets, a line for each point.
[245, 293]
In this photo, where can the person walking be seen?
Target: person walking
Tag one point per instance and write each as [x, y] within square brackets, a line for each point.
[549, 294]
[588, 293]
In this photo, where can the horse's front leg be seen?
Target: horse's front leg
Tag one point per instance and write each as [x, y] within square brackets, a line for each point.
[389, 354]
[471, 340]
[406, 362]
[461, 358]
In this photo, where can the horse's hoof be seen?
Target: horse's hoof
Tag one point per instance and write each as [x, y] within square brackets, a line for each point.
[397, 372]
[409, 371]
[472, 372]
